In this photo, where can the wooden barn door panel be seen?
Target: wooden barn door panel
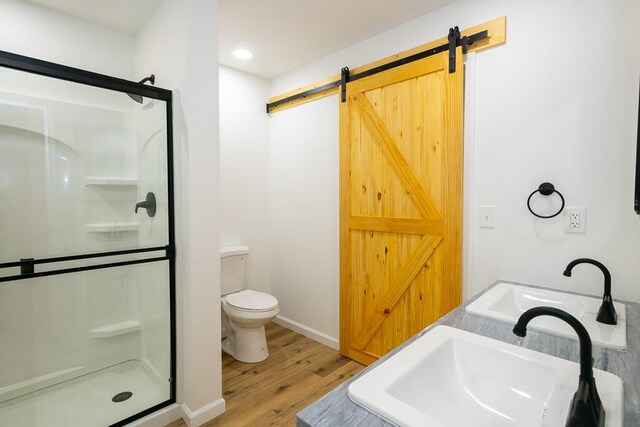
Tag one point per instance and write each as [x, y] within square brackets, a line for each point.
[401, 204]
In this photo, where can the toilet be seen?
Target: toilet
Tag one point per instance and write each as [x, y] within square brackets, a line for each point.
[244, 312]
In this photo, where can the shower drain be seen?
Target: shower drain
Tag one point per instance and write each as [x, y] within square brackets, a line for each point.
[121, 397]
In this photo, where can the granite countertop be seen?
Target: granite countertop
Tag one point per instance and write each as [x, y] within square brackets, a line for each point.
[336, 409]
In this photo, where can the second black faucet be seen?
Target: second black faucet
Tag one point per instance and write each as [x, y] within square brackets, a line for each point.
[607, 313]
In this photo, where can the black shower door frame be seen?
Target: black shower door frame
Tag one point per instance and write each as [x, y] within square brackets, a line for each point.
[27, 267]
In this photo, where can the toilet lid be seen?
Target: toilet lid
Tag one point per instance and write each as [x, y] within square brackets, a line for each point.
[252, 300]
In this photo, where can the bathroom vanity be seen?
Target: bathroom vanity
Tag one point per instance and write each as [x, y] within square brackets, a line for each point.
[337, 409]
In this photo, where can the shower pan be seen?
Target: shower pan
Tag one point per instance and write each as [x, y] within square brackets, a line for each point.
[87, 259]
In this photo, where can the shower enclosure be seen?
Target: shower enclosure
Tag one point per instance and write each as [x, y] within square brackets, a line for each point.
[87, 301]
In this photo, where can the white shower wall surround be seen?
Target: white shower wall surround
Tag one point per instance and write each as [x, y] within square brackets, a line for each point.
[72, 168]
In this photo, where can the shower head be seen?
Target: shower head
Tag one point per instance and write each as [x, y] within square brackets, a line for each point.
[151, 79]
[138, 98]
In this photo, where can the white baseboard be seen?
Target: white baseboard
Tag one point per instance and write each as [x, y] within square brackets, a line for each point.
[308, 332]
[160, 418]
[204, 414]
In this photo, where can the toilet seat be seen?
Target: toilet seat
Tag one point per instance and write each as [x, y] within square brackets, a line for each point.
[249, 300]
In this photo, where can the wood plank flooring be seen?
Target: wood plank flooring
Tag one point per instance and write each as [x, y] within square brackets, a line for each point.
[298, 371]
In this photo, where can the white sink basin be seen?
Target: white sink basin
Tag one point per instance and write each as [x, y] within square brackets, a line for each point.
[507, 302]
[450, 377]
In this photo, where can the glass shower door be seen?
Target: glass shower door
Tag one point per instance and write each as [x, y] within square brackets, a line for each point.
[86, 247]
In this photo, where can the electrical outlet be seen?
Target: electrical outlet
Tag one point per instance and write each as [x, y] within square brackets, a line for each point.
[576, 220]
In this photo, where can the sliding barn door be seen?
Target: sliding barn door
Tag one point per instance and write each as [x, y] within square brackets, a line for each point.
[401, 204]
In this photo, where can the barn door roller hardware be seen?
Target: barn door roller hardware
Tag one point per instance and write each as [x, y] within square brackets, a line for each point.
[454, 40]
[344, 79]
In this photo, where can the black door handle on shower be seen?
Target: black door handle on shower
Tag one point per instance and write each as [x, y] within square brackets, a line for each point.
[149, 204]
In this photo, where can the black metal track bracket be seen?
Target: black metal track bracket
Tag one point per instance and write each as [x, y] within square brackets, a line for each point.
[344, 79]
[464, 42]
[454, 40]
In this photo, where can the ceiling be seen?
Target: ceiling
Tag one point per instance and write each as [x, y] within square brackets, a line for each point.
[282, 34]
[123, 15]
[286, 34]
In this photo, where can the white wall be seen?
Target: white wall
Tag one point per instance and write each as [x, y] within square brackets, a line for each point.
[556, 103]
[179, 45]
[304, 211]
[32, 30]
[267, 176]
[244, 171]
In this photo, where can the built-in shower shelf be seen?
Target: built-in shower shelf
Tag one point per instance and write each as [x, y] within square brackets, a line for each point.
[115, 182]
[115, 329]
[111, 227]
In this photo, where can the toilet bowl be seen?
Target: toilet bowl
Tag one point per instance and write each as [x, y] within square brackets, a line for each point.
[244, 315]
[244, 312]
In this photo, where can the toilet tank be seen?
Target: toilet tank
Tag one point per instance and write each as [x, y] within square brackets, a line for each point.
[233, 262]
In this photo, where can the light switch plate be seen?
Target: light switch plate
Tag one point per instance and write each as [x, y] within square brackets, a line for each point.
[487, 216]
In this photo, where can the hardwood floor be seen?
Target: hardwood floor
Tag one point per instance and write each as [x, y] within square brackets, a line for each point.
[297, 372]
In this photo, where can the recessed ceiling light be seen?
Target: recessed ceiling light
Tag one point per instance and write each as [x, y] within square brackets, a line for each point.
[242, 54]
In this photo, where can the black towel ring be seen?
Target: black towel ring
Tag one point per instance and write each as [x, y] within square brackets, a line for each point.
[546, 189]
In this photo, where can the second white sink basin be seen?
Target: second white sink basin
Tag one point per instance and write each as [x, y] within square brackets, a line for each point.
[449, 377]
[507, 302]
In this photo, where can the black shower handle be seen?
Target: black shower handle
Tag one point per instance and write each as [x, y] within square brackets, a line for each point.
[149, 204]
[143, 205]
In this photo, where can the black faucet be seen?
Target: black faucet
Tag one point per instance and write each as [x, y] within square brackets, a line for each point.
[607, 313]
[586, 407]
